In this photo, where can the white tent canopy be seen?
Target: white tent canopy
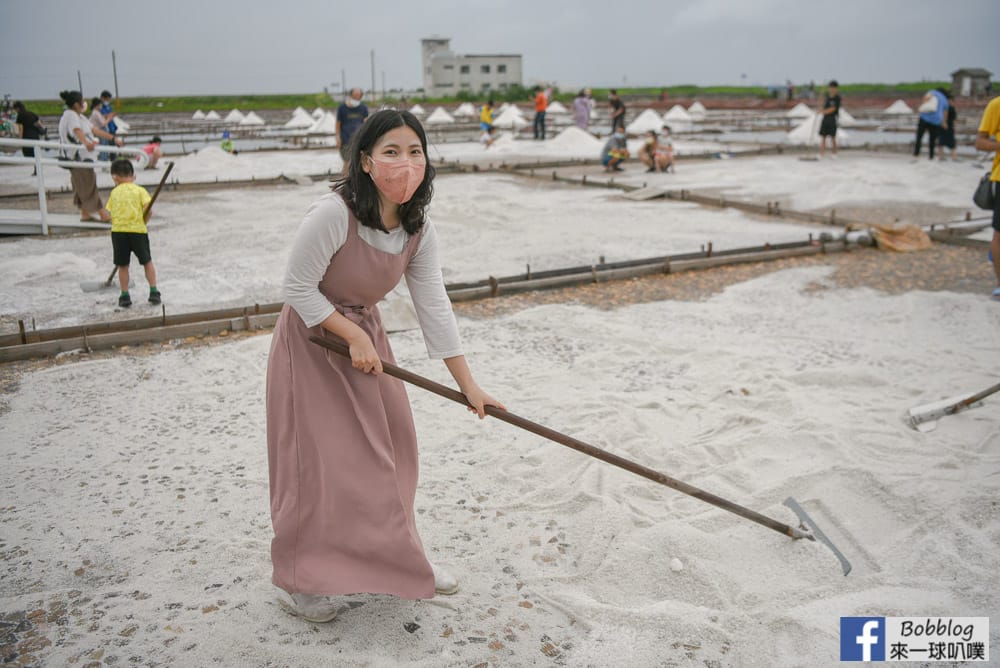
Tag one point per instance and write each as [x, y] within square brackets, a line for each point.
[439, 117]
[644, 122]
[898, 108]
[799, 111]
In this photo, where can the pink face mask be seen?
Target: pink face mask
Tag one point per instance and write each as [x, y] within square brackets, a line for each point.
[397, 179]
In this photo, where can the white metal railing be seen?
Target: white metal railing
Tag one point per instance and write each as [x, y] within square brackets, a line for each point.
[39, 160]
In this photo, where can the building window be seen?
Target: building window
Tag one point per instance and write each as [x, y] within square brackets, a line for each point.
[464, 69]
[485, 69]
[501, 69]
[449, 67]
[503, 86]
[465, 85]
[486, 86]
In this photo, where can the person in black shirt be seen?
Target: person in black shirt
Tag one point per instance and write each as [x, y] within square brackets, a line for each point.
[828, 125]
[350, 116]
[31, 127]
[617, 110]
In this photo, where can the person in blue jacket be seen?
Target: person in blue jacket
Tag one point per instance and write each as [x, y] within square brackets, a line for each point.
[933, 111]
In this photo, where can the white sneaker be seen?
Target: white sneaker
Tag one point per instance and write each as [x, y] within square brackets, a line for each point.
[444, 582]
[310, 607]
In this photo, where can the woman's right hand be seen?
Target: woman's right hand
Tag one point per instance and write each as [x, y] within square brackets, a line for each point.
[364, 357]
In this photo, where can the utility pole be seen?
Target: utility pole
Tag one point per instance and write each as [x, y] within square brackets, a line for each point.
[383, 86]
[343, 81]
[79, 81]
[114, 68]
[373, 74]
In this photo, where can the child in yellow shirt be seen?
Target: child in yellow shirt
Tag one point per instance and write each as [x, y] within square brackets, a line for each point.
[128, 205]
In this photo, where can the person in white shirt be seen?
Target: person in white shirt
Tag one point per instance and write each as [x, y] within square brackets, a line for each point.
[342, 449]
[75, 128]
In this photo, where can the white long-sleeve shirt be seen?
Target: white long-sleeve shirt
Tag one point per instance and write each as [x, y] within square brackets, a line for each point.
[324, 231]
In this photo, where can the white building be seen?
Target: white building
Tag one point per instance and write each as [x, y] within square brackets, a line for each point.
[448, 73]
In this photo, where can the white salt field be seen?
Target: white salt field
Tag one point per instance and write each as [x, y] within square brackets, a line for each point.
[136, 488]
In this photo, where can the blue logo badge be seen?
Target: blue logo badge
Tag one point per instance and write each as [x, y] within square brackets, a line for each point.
[862, 638]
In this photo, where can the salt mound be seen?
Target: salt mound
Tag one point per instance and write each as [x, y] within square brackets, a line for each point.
[300, 119]
[697, 111]
[677, 114]
[898, 108]
[574, 139]
[235, 116]
[212, 116]
[644, 122]
[123, 127]
[198, 115]
[557, 108]
[417, 110]
[510, 118]
[799, 111]
[439, 116]
[845, 119]
[252, 119]
[326, 124]
[318, 113]
[465, 109]
[806, 133]
[207, 160]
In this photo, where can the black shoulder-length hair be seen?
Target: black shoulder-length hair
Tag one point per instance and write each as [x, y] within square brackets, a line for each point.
[357, 187]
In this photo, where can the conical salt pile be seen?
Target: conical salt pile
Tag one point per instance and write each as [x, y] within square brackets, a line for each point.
[557, 108]
[235, 116]
[898, 108]
[212, 116]
[844, 119]
[644, 122]
[198, 115]
[510, 118]
[807, 132]
[697, 111]
[318, 113]
[417, 110]
[799, 111]
[677, 114]
[464, 110]
[574, 139]
[300, 119]
[439, 116]
[326, 124]
[252, 119]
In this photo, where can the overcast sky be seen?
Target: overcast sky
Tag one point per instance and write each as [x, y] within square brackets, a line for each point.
[178, 47]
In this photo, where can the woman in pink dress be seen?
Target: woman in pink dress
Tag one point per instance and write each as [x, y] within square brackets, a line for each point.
[342, 450]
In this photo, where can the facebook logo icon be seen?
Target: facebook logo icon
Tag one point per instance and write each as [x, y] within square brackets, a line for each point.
[862, 638]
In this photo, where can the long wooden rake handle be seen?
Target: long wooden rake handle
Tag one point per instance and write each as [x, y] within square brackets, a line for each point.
[578, 445]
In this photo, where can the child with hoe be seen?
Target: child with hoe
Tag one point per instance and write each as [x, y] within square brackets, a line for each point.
[127, 205]
[342, 447]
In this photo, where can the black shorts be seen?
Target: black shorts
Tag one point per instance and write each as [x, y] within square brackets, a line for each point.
[828, 127]
[996, 206]
[126, 243]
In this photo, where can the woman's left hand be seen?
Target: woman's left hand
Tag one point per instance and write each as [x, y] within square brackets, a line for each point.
[479, 400]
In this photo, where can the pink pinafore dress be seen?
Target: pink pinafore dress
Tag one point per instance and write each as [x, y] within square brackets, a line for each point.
[342, 449]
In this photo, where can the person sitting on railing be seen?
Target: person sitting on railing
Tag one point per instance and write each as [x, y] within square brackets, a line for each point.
[74, 128]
